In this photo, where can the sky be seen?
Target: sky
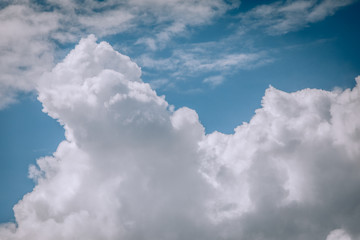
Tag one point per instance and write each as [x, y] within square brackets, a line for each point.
[179, 119]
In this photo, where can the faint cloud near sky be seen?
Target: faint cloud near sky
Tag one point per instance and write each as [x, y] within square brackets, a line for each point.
[282, 17]
[32, 33]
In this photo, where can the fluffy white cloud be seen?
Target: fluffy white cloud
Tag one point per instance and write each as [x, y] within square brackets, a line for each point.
[131, 168]
[291, 172]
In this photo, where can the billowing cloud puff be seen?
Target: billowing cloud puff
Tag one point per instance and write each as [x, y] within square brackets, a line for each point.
[132, 168]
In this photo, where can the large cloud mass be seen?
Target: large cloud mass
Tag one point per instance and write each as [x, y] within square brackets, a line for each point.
[133, 168]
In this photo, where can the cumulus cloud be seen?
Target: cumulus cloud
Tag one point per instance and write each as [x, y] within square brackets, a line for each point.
[119, 173]
[282, 17]
[290, 172]
[132, 168]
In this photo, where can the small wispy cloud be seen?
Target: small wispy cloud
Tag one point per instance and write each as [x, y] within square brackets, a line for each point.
[214, 80]
[282, 17]
[161, 83]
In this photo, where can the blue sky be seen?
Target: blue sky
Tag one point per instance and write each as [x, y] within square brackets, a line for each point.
[215, 57]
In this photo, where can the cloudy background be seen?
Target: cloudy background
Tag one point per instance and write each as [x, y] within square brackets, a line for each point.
[179, 120]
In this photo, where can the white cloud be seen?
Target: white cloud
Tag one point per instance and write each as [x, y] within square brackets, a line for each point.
[282, 17]
[185, 63]
[116, 173]
[25, 51]
[108, 22]
[214, 80]
[30, 30]
[338, 234]
[326, 8]
[130, 168]
[160, 83]
[182, 14]
[240, 60]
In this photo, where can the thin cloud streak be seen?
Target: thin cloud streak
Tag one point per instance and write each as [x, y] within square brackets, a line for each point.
[282, 17]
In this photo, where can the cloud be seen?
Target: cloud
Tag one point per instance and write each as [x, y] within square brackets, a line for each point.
[201, 59]
[224, 62]
[133, 168]
[25, 50]
[338, 234]
[33, 31]
[183, 14]
[160, 83]
[33, 34]
[117, 174]
[214, 80]
[240, 60]
[282, 17]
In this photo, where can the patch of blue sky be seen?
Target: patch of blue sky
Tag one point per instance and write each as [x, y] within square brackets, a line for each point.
[26, 134]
